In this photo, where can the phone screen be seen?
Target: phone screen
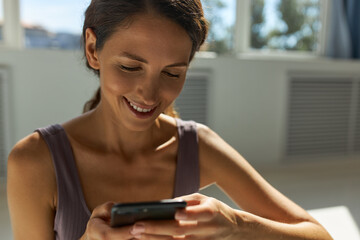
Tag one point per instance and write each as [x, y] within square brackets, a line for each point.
[128, 213]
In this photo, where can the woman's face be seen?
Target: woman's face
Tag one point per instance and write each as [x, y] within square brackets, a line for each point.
[142, 70]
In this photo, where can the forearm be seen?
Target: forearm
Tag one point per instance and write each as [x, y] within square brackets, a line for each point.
[254, 227]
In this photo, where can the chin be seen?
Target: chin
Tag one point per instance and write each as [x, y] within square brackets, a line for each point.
[140, 125]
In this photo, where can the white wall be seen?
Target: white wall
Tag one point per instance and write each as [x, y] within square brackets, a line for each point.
[247, 107]
[45, 87]
[247, 100]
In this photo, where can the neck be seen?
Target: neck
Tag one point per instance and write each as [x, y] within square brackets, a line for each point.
[118, 138]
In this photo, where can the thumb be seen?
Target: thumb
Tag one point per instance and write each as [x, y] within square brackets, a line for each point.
[192, 199]
[103, 211]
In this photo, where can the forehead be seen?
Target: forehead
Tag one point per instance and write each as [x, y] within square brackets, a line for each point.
[151, 36]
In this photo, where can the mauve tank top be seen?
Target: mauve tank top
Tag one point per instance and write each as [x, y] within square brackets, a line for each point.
[72, 213]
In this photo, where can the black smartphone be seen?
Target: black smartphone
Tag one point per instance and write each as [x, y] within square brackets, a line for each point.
[128, 213]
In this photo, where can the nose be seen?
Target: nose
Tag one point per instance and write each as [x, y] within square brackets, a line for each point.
[148, 90]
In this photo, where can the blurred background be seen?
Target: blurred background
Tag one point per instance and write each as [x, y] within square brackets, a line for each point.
[277, 79]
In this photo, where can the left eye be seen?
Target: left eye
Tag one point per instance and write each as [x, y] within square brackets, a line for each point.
[129, 69]
[172, 75]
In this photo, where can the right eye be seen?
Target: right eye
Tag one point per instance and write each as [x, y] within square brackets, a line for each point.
[129, 69]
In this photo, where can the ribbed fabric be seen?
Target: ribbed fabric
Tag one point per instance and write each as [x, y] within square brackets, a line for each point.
[187, 179]
[72, 213]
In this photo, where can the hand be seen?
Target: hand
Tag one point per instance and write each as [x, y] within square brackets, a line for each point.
[203, 218]
[98, 226]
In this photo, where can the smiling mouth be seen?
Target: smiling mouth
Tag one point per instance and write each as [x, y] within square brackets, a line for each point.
[140, 112]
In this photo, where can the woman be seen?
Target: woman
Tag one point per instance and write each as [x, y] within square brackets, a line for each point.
[64, 179]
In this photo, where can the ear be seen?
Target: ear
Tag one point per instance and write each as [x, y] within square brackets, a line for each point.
[90, 49]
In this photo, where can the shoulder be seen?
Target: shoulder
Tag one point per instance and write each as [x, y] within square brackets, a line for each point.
[31, 188]
[30, 150]
[30, 165]
[216, 156]
[209, 140]
[209, 146]
[204, 133]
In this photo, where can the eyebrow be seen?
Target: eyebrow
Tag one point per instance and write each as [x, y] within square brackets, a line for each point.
[140, 59]
[133, 57]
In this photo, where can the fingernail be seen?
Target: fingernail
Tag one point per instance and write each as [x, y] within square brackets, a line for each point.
[180, 216]
[137, 229]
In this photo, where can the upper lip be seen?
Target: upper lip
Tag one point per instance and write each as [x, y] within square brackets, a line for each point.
[141, 105]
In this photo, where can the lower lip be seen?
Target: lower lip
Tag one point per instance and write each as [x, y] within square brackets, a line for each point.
[141, 115]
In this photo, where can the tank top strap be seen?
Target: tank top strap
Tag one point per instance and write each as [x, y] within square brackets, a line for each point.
[72, 212]
[187, 179]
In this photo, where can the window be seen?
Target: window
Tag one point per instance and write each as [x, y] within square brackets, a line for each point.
[285, 24]
[221, 15]
[1, 19]
[236, 26]
[272, 25]
[52, 24]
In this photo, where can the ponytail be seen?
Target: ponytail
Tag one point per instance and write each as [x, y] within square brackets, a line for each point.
[93, 102]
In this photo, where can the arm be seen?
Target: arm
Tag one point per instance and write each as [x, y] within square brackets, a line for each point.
[31, 189]
[267, 214]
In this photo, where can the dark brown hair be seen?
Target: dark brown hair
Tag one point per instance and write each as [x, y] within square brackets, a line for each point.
[105, 16]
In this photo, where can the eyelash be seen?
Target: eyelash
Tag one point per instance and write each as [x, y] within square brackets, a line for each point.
[172, 75]
[130, 69]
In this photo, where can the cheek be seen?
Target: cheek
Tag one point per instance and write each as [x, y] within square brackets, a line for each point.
[116, 83]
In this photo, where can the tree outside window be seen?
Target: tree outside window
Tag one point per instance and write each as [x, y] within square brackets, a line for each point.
[221, 17]
[292, 25]
[285, 24]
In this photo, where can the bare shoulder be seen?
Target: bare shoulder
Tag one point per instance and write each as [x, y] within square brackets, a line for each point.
[206, 135]
[167, 120]
[220, 163]
[29, 151]
[211, 143]
[30, 165]
[216, 156]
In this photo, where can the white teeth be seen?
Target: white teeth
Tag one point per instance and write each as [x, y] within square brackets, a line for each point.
[139, 109]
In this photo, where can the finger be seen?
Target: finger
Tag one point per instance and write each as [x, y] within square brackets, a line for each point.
[192, 202]
[202, 212]
[167, 228]
[199, 208]
[155, 237]
[103, 211]
[99, 229]
[98, 226]
[176, 230]
[192, 199]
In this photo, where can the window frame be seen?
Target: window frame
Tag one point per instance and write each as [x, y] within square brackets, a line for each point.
[13, 35]
[242, 34]
[5, 117]
[12, 31]
[2, 40]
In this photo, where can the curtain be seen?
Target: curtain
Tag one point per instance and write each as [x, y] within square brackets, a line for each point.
[343, 38]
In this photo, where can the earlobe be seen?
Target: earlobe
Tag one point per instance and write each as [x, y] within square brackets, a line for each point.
[90, 49]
